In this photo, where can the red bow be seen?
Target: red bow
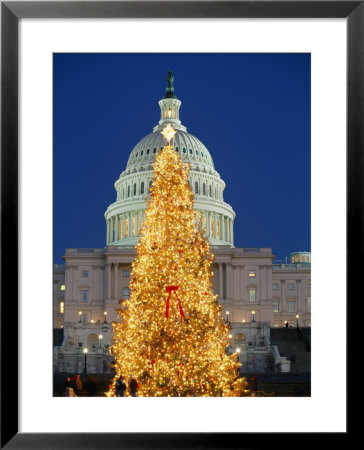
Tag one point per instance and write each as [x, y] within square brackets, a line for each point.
[171, 289]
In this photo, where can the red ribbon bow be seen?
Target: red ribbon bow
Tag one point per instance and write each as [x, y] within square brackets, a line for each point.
[171, 289]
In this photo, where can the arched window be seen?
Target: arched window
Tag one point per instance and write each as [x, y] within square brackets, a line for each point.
[204, 189]
[128, 191]
[196, 187]
[134, 190]
[142, 187]
[126, 293]
[141, 153]
[148, 151]
[239, 339]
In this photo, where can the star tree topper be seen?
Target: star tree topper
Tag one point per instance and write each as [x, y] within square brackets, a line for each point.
[168, 133]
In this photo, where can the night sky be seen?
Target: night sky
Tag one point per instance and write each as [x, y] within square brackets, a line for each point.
[252, 112]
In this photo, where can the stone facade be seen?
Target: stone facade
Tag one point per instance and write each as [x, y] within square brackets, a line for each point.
[245, 280]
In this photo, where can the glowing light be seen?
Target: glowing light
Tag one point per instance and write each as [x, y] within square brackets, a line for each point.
[168, 133]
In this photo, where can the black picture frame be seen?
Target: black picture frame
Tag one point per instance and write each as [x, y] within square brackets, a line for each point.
[11, 13]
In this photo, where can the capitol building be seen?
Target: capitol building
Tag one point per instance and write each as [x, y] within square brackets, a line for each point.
[256, 294]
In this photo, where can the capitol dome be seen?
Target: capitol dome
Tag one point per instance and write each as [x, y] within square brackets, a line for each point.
[125, 216]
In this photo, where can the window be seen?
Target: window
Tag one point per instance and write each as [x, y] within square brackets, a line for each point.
[126, 292]
[148, 151]
[196, 187]
[126, 274]
[134, 190]
[141, 153]
[204, 189]
[251, 273]
[126, 227]
[184, 150]
[84, 319]
[136, 154]
[212, 228]
[176, 149]
[128, 191]
[239, 339]
[61, 307]
[190, 151]
[142, 187]
[275, 287]
[290, 287]
[309, 304]
[84, 295]
[85, 274]
[291, 306]
[63, 287]
[133, 226]
[154, 150]
[252, 295]
[210, 191]
[275, 306]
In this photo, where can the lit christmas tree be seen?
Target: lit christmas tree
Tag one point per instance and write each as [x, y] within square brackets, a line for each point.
[171, 337]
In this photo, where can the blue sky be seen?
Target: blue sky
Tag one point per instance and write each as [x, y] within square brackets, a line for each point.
[252, 111]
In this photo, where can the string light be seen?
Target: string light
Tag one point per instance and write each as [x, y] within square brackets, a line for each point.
[171, 336]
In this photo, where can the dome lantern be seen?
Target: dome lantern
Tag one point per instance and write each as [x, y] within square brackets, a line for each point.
[170, 107]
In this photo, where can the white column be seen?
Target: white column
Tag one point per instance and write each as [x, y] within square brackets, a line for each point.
[117, 226]
[232, 232]
[220, 282]
[108, 279]
[228, 281]
[107, 232]
[116, 275]
[215, 228]
[223, 228]
[73, 288]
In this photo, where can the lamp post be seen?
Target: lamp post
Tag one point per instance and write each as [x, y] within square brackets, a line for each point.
[105, 314]
[238, 350]
[227, 316]
[79, 315]
[297, 317]
[100, 339]
[85, 350]
[286, 323]
[253, 314]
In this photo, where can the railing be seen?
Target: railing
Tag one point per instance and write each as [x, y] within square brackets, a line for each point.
[292, 266]
[95, 251]
[248, 324]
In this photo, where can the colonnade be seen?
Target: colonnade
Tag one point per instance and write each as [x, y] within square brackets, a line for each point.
[127, 225]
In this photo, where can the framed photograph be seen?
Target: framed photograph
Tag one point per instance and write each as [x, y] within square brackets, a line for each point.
[50, 119]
